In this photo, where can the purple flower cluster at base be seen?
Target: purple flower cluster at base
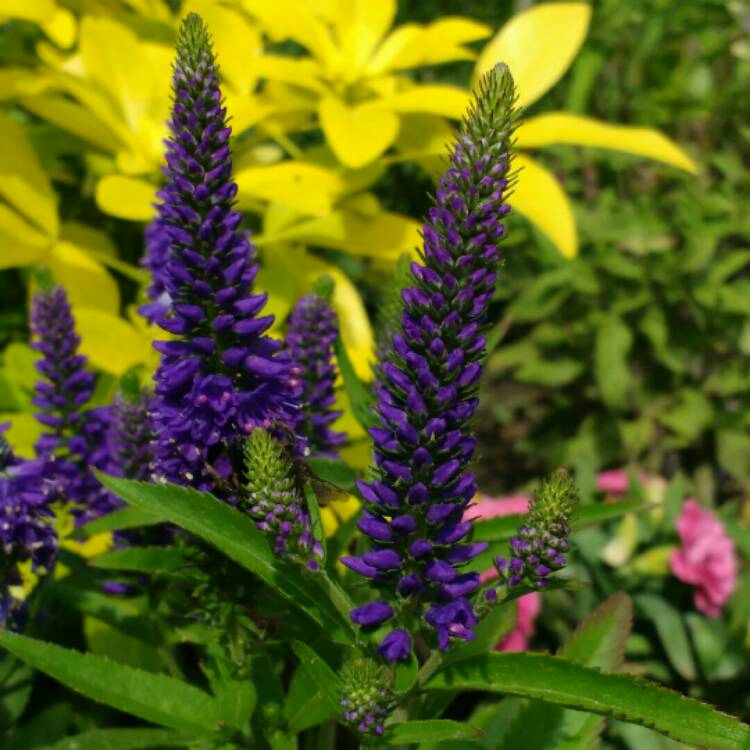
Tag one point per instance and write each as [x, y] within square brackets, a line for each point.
[311, 335]
[27, 532]
[220, 376]
[427, 393]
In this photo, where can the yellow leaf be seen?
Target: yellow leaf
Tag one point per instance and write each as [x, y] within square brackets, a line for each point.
[19, 82]
[303, 72]
[74, 118]
[357, 135]
[385, 235]
[126, 197]
[538, 46]
[61, 28]
[361, 24]
[236, 42]
[23, 182]
[447, 101]
[402, 48]
[87, 282]
[576, 130]
[88, 238]
[540, 198]
[23, 432]
[37, 11]
[307, 188]
[21, 243]
[111, 344]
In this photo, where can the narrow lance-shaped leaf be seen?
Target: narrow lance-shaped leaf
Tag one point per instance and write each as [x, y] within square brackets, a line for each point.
[557, 680]
[236, 536]
[153, 697]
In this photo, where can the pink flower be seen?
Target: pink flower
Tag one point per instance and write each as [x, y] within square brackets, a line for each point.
[529, 605]
[707, 559]
[613, 482]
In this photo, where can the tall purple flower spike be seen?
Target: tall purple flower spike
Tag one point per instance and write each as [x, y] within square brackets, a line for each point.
[26, 532]
[75, 440]
[132, 436]
[155, 258]
[219, 376]
[311, 336]
[426, 388]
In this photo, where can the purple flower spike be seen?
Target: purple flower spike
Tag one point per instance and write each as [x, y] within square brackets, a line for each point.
[311, 335]
[75, 440]
[133, 437]
[428, 373]
[219, 376]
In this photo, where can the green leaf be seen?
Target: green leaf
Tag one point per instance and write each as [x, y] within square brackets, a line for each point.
[406, 674]
[121, 739]
[326, 680]
[360, 396]
[430, 730]
[557, 680]
[553, 373]
[120, 520]
[672, 633]
[503, 527]
[235, 535]
[337, 473]
[316, 524]
[305, 705]
[613, 342]
[16, 680]
[498, 623]
[598, 642]
[143, 559]
[156, 698]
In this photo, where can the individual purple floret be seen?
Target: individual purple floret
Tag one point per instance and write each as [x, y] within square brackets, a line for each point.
[540, 545]
[427, 384]
[219, 375]
[132, 436]
[75, 440]
[26, 527]
[311, 335]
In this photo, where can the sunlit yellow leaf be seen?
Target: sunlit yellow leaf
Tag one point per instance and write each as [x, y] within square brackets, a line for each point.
[235, 41]
[295, 19]
[357, 135]
[22, 244]
[126, 197]
[560, 127]
[385, 235]
[112, 344]
[402, 49]
[361, 24]
[23, 432]
[305, 187]
[538, 46]
[540, 198]
[37, 11]
[74, 118]
[23, 182]
[447, 101]
[87, 282]
[89, 239]
[61, 28]
[19, 82]
[303, 72]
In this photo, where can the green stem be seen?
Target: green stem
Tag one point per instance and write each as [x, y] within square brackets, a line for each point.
[428, 668]
[338, 596]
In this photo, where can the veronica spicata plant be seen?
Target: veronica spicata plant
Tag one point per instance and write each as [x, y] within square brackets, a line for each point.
[220, 375]
[268, 641]
[427, 394]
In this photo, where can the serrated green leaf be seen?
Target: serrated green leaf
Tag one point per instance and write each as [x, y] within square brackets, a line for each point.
[557, 680]
[143, 559]
[235, 535]
[157, 698]
[121, 739]
[430, 730]
[360, 396]
[119, 520]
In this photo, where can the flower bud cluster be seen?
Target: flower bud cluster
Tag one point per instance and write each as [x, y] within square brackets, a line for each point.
[366, 697]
